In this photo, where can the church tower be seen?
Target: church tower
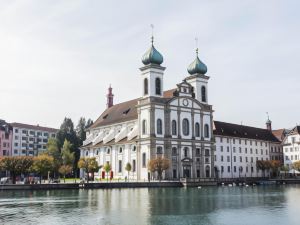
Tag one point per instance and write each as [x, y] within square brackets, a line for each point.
[198, 79]
[152, 73]
[110, 97]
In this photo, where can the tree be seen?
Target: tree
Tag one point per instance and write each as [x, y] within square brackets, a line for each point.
[89, 123]
[296, 165]
[107, 169]
[65, 169]
[83, 163]
[89, 165]
[275, 165]
[66, 154]
[67, 132]
[80, 129]
[128, 168]
[261, 165]
[16, 165]
[93, 166]
[54, 151]
[158, 165]
[42, 164]
[285, 168]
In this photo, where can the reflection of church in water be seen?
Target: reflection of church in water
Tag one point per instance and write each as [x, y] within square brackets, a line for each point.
[176, 124]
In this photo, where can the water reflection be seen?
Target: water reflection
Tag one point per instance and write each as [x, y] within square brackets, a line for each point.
[209, 205]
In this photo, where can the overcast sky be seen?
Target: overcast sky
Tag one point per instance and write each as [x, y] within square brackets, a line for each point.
[57, 58]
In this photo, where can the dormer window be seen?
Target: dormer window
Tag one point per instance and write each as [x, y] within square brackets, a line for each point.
[105, 116]
[126, 111]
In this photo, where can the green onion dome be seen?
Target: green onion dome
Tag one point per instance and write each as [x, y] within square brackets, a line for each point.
[152, 56]
[197, 66]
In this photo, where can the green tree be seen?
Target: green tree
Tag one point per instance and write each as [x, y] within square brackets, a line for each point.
[42, 164]
[64, 170]
[67, 132]
[80, 130]
[53, 150]
[89, 123]
[68, 157]
[285, 169]
[107, 169]
[159, 165]
[128, 168]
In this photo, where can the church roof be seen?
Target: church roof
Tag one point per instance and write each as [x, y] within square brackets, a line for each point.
[122, 112]
[241, 131]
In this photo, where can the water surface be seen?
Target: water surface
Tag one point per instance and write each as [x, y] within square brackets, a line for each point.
[210, 205]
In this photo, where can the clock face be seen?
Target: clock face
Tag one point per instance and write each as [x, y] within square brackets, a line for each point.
[185, 102]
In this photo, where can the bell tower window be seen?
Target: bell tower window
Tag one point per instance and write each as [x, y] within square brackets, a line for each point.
[157, 86]
[203, 94]
[145, 86]
[159, 126]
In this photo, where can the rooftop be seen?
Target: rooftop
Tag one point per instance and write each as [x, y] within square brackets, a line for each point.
[33, 127]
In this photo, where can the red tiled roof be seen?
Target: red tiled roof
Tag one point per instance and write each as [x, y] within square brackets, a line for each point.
[33, 127]
[279, 134]
[122, 112]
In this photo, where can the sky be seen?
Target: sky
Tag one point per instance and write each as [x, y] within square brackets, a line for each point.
[57, 58]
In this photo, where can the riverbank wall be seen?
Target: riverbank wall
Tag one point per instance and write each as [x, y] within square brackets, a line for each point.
[102, 185]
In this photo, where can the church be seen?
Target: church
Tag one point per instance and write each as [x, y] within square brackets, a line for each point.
[176, 124]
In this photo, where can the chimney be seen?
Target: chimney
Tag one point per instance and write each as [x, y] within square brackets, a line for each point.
[110, 98]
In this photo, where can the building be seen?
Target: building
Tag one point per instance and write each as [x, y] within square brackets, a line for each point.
[30, 140]
[5, 138]
[238, 148]
[176, 124]
[291, 146]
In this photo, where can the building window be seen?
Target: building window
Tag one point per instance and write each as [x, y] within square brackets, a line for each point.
[198, 151]
[174, 151]
[144, 126]
[159, 150]
[120, 166]
[185, 127]
[145, 86]
[133, 165]
[206, 152]
[186, 151]
[228, 158]
[222, 158]
[120, 150]
[228, 169]
[206, 131]
[197, 130]
[144, 160]
[159, 126]
[157, 86]
[174, 127]
[203, 94]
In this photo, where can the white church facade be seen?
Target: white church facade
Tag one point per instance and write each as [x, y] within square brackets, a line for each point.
[176, 124]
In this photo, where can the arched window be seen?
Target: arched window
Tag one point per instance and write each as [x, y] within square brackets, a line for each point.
[157, 86]
[197, 130]
[203, 94]
[174, 151]
[159, 150]
[145, 86]
[174, 127]
[186, 152]
[144, 127]
[206, 131]
[185, 127]
[159, 126]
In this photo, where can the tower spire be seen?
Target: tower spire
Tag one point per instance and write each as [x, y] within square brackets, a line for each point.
[152, 37]
[268, 123]
[110, 97]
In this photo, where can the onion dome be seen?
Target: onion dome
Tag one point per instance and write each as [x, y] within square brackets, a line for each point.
[197, 66]
[152, 56]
